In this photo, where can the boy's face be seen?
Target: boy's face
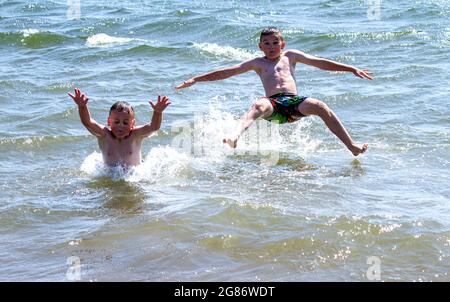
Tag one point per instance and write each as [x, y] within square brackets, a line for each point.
[272, 46]
[121, 123]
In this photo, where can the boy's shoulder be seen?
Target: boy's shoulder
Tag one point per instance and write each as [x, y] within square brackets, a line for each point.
[293, 52]
[257, 60]
[295, 55]
[253, 64]
[106, 133]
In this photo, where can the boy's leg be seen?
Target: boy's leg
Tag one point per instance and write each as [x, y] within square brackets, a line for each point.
[312, 106]
[261, 108]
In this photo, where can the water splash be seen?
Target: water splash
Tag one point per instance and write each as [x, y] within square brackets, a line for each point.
[304, 144]
[161, 163]
[203, 139]
[197, 148]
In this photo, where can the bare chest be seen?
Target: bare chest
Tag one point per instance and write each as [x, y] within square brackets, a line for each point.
[114, 147]
[281, 68]
[127, 150]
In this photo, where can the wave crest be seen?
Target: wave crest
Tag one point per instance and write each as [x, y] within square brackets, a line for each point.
[229, 52]
[104, 40]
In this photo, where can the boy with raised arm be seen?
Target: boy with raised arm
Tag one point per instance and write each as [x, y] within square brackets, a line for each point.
[281, 103]
[121, 143]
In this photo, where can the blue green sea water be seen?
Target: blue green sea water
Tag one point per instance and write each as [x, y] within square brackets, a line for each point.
[195, 210]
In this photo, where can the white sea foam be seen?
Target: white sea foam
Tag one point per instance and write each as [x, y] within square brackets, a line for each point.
[103, 40]
[389, 228]
[29, 32]
[224, 51]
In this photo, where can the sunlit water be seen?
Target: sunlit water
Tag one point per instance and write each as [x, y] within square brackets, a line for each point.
[289, 204]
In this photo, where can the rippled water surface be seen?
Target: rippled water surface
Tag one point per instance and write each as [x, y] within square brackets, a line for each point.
[195, 210]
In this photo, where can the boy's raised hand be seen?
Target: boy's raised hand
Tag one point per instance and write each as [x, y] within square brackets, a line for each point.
[161, 104]
[185, 84]
[363, 73]
[79, 98]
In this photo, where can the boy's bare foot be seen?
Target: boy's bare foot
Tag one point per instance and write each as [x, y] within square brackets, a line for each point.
[357, 149]
[230, 141]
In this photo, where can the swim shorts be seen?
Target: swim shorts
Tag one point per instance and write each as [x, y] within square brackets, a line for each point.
[285, 108]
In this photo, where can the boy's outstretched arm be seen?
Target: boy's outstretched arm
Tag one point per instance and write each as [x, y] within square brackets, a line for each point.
[220, 74]
[155, 124]
[325, 64]
[81, 100]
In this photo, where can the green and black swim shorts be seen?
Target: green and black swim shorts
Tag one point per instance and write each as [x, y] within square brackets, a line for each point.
[285, 108]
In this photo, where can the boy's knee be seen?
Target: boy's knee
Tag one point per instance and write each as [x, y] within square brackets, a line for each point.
[314, 107]
[262, 105]
[322, 109]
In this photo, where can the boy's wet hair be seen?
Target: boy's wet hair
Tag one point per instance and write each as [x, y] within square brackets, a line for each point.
[122, 106]
[268, 31]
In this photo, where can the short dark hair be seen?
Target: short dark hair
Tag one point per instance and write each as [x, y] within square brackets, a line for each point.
[122, 106]
[268, 31]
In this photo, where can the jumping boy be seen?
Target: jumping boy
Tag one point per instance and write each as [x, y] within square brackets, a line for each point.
[121, 143]
[281, 103]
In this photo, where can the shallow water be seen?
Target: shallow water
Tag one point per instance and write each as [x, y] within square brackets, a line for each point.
[289, 204]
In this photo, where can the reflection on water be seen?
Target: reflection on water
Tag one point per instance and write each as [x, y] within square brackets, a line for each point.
[355, 170]
[120, 195]
[297, 164]
[196, 209]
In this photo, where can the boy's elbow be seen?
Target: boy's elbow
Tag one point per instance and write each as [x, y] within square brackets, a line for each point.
[154, 128]
[85, 123]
